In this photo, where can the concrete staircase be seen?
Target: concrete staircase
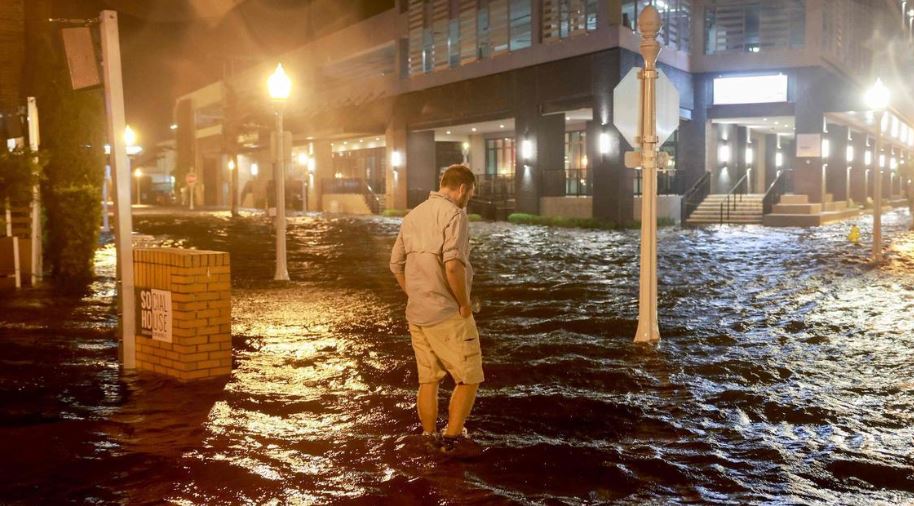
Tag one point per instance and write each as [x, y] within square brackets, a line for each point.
[744, 210]
[797, 211]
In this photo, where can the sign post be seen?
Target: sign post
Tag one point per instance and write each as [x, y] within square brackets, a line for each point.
[191, 180]
[114, 101]
[657, 118]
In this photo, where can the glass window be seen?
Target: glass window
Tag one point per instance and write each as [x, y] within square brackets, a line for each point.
[565, 18]
[520, 15]
[748, 26]
[576, 175]
[500, 157]
[675, 16]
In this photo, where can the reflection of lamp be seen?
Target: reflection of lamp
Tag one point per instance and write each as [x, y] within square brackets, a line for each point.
[254, 169]
[138, 173]
[723, 153]
[231, 165]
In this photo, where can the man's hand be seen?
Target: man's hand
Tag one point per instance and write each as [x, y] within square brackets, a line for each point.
[465, 311]
[401, 280]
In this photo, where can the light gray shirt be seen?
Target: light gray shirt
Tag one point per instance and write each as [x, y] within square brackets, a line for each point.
[433, 233]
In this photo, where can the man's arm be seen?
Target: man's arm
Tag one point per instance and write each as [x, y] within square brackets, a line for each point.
[398, 261]
[457, 281]
[401, 280]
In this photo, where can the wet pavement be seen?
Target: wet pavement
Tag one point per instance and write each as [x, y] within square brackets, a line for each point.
[785, 375]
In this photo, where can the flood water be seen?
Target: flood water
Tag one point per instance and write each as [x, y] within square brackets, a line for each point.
[785, 375]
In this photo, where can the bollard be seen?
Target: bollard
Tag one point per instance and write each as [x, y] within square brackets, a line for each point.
[183, 312]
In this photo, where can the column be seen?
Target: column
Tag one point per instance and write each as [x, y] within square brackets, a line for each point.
[322, 153]
[836, 169]
[421, 167]
[808, 178]
[613, 183]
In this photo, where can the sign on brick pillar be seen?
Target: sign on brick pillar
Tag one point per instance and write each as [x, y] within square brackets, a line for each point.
[184, 326]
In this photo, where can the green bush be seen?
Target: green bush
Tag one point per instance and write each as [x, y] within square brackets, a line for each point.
[73, 136]
[394, 212]
[474, 217]
[71, 243]
[587, 223]
[19, 172]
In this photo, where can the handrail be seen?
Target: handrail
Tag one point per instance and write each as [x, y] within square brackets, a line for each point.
[775, 190]
[732, 193]
[690, 203]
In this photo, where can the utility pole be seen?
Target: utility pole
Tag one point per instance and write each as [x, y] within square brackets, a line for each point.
[114, 102]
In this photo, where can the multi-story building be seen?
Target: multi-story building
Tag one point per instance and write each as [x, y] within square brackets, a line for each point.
[522, 91]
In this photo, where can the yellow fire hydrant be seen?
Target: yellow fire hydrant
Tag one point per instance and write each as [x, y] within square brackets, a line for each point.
[854, 235]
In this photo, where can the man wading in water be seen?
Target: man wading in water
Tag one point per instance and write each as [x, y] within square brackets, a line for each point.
[431, 263]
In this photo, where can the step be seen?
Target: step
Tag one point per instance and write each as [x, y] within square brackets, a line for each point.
[797, 209]
[792, 198]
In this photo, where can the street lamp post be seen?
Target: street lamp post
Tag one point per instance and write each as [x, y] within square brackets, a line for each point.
[877, 99]
[138, 174]
[280, 86]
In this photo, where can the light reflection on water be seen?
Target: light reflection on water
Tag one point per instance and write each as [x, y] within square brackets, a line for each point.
[784, 374]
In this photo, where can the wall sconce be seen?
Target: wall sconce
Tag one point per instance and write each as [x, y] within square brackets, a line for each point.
[750, 156]
[826, 148]
[893, 163]
[231, 165]
[311, 165]
[466, 147]
[723, 153]
[868, 158]
[526, 149]
[603, 143]
[882, 161]
[849, 153]
[254, 169]
[396, 159]
[778, 159]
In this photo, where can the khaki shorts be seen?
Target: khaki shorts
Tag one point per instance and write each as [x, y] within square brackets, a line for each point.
[451, 346]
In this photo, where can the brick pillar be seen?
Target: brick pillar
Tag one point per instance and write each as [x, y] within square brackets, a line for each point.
[199, 284]
[396, 184]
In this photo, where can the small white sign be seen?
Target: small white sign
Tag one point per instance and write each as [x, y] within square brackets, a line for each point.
[154, 318]
[750, 89]
[809, 145]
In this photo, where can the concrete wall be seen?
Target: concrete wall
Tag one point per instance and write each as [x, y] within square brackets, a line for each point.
[668, 206]
[566, 207]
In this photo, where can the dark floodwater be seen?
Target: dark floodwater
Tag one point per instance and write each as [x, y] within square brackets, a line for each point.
[786, 375]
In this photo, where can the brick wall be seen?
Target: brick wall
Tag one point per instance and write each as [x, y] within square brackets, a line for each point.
[200, 286]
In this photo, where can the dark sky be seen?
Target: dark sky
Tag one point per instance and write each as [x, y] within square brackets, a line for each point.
[171, 47]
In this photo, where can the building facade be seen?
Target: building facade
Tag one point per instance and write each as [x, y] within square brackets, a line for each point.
[522, 92]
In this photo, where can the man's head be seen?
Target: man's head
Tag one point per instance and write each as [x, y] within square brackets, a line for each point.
[458, 183]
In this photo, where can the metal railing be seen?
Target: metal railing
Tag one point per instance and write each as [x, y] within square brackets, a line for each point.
[495, 186]
[695, 195]
[576, 183]
[777, 188]
[733, 196]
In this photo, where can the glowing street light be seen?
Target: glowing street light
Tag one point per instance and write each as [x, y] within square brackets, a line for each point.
[877, 100]
[280, 87]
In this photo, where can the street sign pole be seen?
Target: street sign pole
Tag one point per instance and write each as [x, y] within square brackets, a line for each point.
[34, 142]
[648, 329]
[114, 100]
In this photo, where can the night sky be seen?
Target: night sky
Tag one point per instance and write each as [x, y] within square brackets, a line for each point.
[171, 47]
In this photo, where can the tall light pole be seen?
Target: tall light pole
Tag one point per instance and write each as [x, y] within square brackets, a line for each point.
[280, 86]
[138, 174]
[877, 99]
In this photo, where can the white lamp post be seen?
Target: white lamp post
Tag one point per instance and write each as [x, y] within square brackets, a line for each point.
[877, 99]
[138, 174]
[280, 86]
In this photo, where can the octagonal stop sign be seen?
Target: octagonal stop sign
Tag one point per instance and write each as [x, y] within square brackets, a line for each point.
[627, 107]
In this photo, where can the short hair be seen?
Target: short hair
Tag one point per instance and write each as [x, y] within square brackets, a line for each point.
[456, 175]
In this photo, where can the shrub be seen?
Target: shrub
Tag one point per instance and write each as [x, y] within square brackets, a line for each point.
[71, 243]
[474, 217]
[394, 212]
